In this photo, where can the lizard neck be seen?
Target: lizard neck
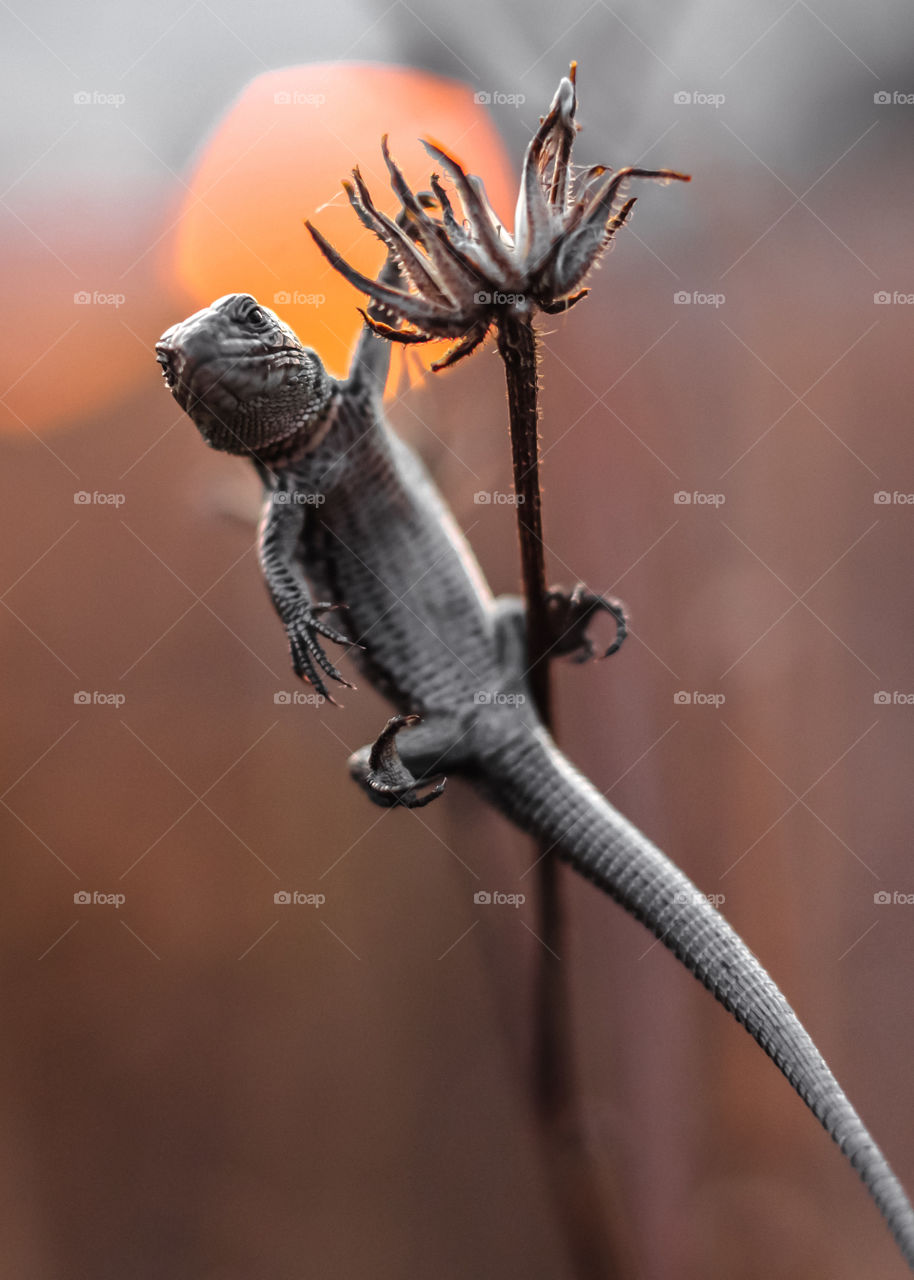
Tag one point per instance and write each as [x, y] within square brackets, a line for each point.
[308, 432]
[344, 447]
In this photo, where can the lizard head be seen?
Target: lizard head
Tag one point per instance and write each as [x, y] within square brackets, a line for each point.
[244, 378]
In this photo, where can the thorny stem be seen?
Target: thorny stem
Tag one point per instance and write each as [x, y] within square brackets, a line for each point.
[570, 1172]
[517, 347]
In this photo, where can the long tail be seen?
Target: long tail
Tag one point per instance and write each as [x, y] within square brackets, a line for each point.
[531, 781]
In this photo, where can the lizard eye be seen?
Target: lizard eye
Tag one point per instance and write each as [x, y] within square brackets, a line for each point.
[249, 313]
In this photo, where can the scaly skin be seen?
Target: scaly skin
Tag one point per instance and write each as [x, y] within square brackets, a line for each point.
[350, 509]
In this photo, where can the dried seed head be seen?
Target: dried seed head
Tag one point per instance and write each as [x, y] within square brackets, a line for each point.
[460, 272]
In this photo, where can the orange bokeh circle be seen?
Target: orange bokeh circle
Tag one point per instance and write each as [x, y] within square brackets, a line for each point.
[279, 156]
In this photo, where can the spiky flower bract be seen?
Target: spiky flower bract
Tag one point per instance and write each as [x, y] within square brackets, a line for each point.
[461, 273]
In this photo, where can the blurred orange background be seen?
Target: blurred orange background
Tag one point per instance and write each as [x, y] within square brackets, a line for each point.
[199, 1082]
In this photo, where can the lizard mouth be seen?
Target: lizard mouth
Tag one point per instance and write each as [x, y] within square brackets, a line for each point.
[219, 381]
[183, 378]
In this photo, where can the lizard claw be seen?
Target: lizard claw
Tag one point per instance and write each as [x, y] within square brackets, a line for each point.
[324, 606]
[308, 658]
[571, 616]
[387, 779]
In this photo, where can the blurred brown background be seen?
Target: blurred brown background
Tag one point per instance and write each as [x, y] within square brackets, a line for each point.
[200, 1083]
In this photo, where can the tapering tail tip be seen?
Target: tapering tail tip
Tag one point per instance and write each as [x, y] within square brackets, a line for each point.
[532, 782]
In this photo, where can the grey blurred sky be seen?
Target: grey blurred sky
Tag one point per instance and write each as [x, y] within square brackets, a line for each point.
[179, 65]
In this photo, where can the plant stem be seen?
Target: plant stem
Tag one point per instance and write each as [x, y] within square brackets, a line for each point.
[517, 347]
[571, 1175]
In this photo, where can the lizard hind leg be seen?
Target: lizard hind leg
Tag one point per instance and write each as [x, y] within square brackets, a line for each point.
[571, 615]
[408, 776]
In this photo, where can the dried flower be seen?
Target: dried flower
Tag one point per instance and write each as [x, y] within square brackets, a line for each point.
[463, 273]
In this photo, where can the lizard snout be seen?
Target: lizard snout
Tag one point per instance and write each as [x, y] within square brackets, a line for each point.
[166, 357]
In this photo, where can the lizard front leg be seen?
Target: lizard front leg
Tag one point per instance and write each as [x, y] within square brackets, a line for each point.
[281, 530]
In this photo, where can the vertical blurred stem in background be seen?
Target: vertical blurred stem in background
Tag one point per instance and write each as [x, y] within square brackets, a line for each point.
[572, 1176]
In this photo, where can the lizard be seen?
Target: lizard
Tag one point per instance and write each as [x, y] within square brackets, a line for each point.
[353, 523]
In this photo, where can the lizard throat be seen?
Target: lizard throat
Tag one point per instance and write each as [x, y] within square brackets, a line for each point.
[307, 436]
